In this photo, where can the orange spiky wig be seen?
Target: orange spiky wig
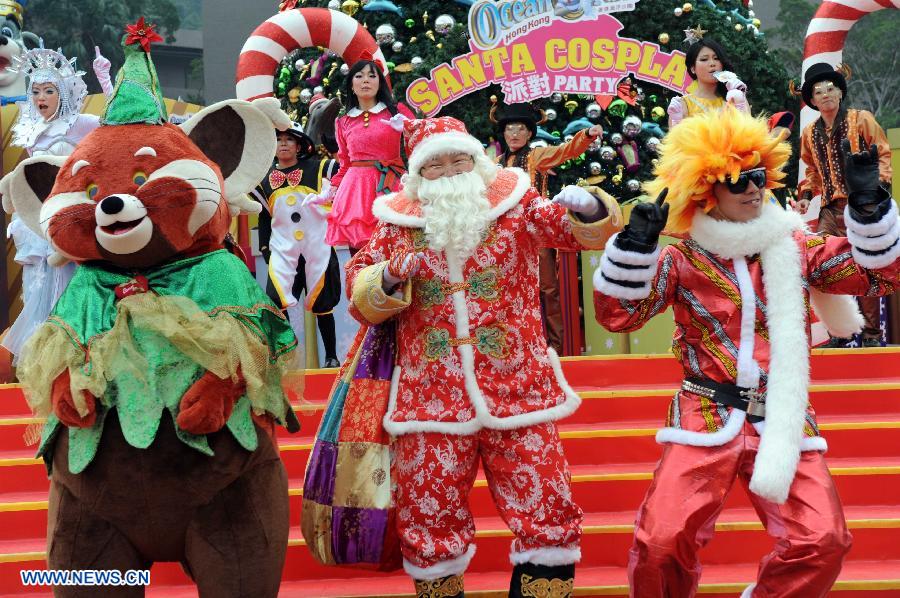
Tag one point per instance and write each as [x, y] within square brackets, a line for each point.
[709, 148]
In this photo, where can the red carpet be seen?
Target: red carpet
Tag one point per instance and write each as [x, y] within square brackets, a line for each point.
[609, 442]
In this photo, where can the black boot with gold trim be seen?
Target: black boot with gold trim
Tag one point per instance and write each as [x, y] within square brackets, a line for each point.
[444, 587]
[541, 581]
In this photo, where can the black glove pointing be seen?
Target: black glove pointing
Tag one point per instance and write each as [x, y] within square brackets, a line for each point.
[861, 176]
[647, 221]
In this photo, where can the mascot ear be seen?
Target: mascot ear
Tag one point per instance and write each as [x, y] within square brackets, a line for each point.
[239, 136]
[25, 188]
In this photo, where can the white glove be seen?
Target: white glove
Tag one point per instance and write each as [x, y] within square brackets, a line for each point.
[676, 111]
[578, 199]
[101, 69]
[738, 99]
[313, 199]
[396, 121]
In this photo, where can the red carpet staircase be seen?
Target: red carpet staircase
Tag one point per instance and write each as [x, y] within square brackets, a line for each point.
[610, 445]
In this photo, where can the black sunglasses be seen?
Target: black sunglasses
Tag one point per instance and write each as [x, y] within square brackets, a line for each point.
[757, 176]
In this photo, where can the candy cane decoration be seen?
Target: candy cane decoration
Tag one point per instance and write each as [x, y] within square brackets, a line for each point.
[293, 29]
[827, 32]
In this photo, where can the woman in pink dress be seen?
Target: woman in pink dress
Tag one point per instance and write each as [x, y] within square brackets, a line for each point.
[369, 155]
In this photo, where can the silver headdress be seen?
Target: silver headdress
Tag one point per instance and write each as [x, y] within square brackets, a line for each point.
[42, 65]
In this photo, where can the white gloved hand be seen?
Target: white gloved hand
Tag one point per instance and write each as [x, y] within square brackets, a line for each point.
[396, 121]
[676, 111]
[101, 70]
[313, 199]
[579, 200]
[738, 99]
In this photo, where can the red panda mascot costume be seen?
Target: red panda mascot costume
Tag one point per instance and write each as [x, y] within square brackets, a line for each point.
[160, 369]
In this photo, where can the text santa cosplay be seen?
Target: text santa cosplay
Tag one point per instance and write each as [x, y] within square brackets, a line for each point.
[739, 284]
[454, 261]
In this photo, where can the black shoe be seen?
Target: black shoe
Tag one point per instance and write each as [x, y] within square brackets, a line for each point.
[836, 342]
[871, 342]
[529, 579]
[332, 362]
[444, 587]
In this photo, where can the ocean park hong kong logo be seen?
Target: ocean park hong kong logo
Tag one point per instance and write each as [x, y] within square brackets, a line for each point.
[492, 21]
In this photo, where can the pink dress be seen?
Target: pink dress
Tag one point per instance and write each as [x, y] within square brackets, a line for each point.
[360, 180]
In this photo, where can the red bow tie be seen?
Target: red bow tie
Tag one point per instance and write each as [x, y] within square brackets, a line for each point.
[277, 178]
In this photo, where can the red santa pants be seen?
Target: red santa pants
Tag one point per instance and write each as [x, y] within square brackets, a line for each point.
[528, 478]
[687, 494]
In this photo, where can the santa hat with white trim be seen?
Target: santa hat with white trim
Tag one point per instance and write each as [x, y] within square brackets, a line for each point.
[430, 137]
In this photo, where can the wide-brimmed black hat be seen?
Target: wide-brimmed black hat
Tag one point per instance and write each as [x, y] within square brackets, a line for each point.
[304, 143]
[821, 71]
[523, 113]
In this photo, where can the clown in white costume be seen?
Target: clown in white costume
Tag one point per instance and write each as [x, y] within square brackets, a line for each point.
[50, 122]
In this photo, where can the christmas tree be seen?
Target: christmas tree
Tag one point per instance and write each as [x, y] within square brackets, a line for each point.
[418, 36]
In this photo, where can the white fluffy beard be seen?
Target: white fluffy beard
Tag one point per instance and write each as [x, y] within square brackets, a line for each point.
[455, 211]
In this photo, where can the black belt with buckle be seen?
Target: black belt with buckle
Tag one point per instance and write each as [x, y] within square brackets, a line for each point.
[750, 400]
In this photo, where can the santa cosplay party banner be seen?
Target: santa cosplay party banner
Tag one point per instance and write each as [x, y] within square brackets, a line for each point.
[534, 48]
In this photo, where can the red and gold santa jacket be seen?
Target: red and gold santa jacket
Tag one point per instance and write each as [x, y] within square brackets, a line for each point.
[471, 349]
[741, 296]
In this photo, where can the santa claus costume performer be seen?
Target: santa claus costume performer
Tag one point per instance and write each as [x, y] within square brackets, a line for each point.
[454, 260]
[738, 286]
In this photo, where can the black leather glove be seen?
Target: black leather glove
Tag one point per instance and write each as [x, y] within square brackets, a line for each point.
[868, 201]
[647, 221]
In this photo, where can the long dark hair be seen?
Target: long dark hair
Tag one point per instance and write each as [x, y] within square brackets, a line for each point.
[384, 94]
[690, 59]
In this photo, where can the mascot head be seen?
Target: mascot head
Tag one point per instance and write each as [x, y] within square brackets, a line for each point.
[138, 191]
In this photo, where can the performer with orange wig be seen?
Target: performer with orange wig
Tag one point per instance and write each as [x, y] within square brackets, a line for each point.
[738, 286]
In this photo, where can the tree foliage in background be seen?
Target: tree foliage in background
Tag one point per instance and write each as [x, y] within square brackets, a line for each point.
[77, 26]
[871, 50]
[421, 47]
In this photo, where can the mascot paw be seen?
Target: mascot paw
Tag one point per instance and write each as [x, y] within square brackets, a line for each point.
[64, 404]
[207, 405]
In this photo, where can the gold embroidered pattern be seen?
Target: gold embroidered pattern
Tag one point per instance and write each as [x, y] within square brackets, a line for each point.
[445, 587]
[706, 411]
[814, 242]
[546, 588]
[840, 275]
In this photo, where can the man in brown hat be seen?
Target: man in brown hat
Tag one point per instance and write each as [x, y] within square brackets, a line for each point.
[824, 89]
[517, 126]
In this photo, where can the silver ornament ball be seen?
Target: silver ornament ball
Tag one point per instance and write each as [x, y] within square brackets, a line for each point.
[616, 139]
[550, 113]
[444, 24]
[305, 95]
[596, 168]
[345, 69]
[593, 110]
[397, 46]
[607, 154]
[633, 185]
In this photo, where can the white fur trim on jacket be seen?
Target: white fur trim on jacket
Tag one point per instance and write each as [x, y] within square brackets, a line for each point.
[787, 394]
[611, 289]
[614, 272]
[839, 313]
[440, 144]
[483, 417]
[881, 238]
[630, 258]
[549, 556]
[748, 591]
[608, 272]
[454, 566]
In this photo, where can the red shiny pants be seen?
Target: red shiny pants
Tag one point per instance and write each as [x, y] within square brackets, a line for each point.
[688, 492]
